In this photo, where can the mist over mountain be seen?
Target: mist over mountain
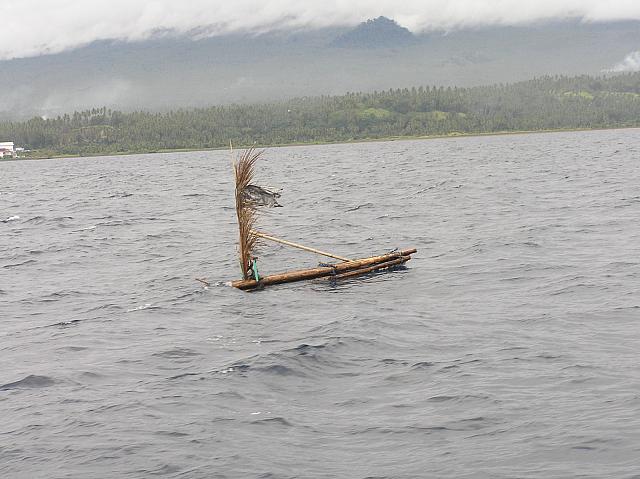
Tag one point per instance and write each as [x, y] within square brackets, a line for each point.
[179, 72]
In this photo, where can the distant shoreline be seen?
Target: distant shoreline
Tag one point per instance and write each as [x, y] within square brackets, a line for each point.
[540, 105]
[348, 142]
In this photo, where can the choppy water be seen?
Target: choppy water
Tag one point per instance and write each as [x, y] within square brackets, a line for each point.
[508, 348]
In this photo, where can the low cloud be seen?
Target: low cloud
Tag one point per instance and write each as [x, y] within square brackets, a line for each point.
[29, 100]
[631, 63]
[37, 27]
[109, 92]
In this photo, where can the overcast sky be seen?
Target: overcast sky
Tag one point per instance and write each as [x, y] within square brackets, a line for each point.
[36, 27]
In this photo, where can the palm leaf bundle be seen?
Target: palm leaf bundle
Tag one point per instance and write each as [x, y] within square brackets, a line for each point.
[246, 208]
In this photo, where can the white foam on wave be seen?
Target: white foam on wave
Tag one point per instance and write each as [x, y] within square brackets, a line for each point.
[139, 308]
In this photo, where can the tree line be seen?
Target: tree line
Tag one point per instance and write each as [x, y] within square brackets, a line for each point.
[546, 103]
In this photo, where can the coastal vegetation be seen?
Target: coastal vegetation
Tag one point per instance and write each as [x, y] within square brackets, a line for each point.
[548, 103]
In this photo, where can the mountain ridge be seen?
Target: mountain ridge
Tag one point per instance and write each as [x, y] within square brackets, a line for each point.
[177, 72]
[379, 32]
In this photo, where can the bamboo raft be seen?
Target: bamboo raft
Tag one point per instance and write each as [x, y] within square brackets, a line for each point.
[246, 210]
[338, 271]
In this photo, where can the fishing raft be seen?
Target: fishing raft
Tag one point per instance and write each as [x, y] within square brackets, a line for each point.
[247, 204]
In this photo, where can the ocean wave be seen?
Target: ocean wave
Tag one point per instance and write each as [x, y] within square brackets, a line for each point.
[140, 308]
[36, 220]
[29, 382]
[16, 265]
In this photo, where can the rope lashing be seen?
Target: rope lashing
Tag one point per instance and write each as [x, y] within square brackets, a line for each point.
[253, 268]
[334, 272]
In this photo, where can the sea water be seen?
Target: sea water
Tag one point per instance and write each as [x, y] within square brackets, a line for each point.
[508, 347]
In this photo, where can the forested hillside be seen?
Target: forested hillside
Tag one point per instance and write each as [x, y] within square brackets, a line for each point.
[542, 104]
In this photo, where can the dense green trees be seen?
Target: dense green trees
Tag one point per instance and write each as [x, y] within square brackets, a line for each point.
[541, 104]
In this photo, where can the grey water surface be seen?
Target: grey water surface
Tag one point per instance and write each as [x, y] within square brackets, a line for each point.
[508, 348]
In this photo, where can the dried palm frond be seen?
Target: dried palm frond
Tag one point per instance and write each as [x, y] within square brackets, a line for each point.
[244, 168]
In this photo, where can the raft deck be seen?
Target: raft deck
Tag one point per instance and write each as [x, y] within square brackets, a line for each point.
[344, 270]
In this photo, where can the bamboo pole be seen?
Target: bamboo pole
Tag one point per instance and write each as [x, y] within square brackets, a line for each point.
[323, 271]
[299, 246]
[371, 269]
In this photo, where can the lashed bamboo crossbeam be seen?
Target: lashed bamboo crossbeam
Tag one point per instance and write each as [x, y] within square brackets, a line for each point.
[323, 271]
[371, 269]
[299, 246]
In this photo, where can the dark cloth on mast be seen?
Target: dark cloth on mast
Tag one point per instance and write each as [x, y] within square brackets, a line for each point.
[260, 196]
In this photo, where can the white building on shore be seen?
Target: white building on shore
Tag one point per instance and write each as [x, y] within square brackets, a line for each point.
[7, 149]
